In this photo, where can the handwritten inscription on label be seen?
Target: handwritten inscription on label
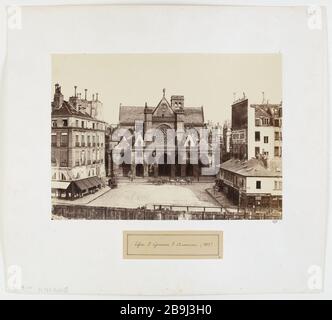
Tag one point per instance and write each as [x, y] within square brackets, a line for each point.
[173, 244]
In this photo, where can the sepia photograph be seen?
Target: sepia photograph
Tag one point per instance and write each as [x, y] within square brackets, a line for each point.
[166, 136]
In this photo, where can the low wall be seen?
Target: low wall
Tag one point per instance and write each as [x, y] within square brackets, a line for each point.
[110, 213]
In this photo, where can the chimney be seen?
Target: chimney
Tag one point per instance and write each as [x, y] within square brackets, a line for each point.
[85, 93]
[93, 97]
[58, 97]
[75, 88]
[97, 96]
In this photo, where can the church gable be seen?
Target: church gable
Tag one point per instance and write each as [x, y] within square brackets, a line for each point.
[163, 109]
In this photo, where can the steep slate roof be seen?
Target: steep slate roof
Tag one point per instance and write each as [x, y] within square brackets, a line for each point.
[193, 115]
[68, 110]
[253, 168]
[128, 114]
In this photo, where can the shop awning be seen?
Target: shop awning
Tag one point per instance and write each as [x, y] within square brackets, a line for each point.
[87, 183]
[60, 184]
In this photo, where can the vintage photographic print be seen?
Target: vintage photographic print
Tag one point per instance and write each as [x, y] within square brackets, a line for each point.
[166, 136]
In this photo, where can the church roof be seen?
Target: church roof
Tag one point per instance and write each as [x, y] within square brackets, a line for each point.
[128, 114]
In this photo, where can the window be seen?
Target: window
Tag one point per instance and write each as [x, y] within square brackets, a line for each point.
[82, 141]
[77, 158]
[257, 151]
[77, 123]
[65, 123]
[89, 143]
[77, 142]
[64, 140]
[93, 141]
[82, 124]
[83, 157]
[277, 136]
[266, 139]
[53, 158]
[258, 184]
[93, 126]
[54, 123]
[266, 121]
[276, 123]
[89, 157]
[258, 122]
[63, 158]
[53, 140]
[257, 136]
[277, 185]
[276, 152]
[63, 177]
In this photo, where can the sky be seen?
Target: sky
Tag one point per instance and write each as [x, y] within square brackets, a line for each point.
[208, 80]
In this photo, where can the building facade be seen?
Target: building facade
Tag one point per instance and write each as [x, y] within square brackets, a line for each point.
[78, 145]
[253, 183]
[253, 175]
[174, 114]
[256, 130]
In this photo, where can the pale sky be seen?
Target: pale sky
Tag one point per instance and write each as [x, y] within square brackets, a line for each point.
[207, 80]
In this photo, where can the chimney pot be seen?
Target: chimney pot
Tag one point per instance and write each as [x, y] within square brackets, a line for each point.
[97, 96]
[85, 93]
[75, 88]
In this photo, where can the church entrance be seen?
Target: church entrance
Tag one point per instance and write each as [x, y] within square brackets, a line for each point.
[189, 170]
[139, 170]
[125, 169]
[164, 169]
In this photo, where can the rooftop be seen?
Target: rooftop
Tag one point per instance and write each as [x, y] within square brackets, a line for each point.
[254, 167]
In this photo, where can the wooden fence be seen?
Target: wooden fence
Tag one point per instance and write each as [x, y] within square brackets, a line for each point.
[111, 213]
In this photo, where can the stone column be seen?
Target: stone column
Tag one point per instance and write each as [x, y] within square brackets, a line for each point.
[172, 170]
[146, 170]
[133, 169]
[155, 171]
[183, 170]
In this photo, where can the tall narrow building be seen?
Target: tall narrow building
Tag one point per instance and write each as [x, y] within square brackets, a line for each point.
[78, 145]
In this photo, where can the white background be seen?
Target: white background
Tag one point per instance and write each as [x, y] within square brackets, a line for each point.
[328, 281]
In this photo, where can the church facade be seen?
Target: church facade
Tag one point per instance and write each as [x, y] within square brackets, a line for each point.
[168, 115]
